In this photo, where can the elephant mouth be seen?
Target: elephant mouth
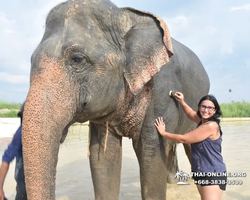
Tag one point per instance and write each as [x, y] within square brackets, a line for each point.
[65, 132]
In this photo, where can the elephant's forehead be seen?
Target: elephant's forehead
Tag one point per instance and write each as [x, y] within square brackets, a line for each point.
[79, 21]
[85, 13]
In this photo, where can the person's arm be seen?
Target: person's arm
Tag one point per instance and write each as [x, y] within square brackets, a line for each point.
[197, 135]
[3, 171]
[191, 114]
[15, 147]
[10, 153]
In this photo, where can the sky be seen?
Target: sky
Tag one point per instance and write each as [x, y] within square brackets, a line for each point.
[216, 30]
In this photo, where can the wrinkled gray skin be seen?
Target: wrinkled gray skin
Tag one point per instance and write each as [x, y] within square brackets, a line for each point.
[104, 64]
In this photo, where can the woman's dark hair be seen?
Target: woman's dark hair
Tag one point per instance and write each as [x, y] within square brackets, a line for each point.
[218, 112]
[20, 113]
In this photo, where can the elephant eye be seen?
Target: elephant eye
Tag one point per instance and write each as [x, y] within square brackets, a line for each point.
[79, 62]
[77, 58]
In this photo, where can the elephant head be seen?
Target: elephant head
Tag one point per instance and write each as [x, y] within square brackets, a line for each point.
[91, 56]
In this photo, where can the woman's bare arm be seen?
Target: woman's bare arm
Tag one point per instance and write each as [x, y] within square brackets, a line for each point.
[199, 134]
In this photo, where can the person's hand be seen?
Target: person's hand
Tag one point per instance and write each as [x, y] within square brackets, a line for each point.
[160, 125]
[179, 96]
[1, 194]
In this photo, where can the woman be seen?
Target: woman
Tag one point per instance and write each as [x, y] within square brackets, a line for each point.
[14, 150]
[208, 168]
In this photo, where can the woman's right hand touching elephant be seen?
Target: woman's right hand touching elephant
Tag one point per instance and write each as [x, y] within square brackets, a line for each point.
[179, 97]
[191, 114]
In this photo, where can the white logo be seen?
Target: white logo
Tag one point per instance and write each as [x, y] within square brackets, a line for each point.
[182, 176]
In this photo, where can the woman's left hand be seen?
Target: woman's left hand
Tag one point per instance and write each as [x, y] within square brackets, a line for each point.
[160, 125]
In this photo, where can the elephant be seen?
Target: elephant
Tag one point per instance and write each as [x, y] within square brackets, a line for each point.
[113, 67]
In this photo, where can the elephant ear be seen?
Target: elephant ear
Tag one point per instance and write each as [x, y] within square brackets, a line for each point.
[148, 47]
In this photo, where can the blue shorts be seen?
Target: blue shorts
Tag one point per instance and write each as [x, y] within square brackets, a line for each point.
[206, 180]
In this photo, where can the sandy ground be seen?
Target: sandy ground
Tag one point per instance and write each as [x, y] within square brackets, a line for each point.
[73, 167]
[8, 126]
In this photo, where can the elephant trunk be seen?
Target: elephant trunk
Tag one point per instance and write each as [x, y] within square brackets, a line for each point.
[40, 156]
[47, 115]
